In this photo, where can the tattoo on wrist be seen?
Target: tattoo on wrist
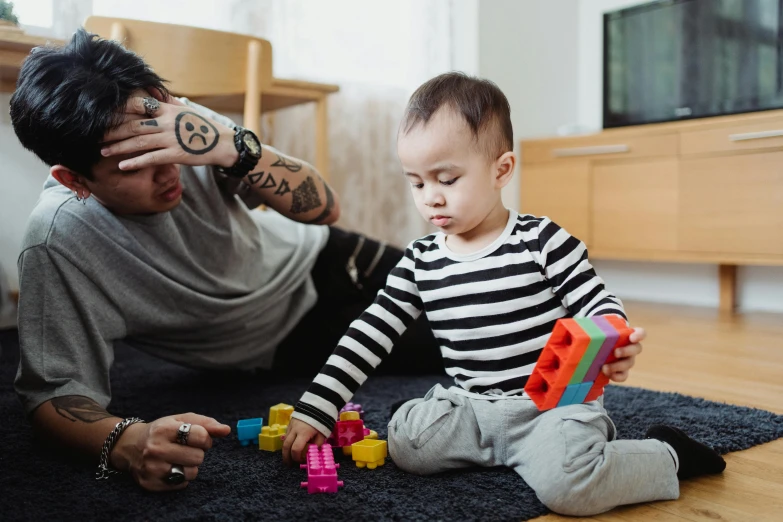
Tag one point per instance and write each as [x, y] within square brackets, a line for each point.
[288, 164]
[78, 408]
[195, 133]
[149, 123]
[305, 197]
[255, 178]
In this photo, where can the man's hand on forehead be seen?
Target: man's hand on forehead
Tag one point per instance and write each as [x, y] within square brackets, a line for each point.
[166, 133]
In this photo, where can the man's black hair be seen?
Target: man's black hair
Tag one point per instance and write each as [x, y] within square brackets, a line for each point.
[67, 98]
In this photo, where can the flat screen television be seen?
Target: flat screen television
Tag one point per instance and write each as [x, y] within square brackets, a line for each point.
[678, 59]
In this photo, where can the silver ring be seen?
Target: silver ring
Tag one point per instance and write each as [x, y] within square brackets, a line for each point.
[176, 475]
[151, 106]
[182, 434]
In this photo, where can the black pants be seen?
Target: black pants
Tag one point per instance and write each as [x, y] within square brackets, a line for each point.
[342, 299]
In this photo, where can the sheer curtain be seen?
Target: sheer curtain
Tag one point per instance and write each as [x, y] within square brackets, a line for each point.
[378, 51]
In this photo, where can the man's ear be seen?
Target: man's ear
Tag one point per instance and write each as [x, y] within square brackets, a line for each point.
[504, 169]
[70, 179]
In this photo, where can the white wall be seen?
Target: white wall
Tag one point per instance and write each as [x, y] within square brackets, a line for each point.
[21, 177]
[527, 48]
[547, 57]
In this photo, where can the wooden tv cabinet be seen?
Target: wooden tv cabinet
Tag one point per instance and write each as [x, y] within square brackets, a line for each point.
[697, 191]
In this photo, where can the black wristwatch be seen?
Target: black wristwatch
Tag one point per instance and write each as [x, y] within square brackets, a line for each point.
[249, 149]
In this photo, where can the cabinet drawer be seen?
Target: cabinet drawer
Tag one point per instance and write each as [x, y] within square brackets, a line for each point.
[635, 205]
[732, 204]
[753, 136]
[559, 191]
[600, 147]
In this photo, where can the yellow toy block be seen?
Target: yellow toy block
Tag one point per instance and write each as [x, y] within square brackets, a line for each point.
[269, 438]
[372, 435]
[280, 414]
[370, 453]
[349, 415]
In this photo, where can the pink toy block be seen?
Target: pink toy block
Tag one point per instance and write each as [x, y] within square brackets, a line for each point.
[349, 429]
[321, 470]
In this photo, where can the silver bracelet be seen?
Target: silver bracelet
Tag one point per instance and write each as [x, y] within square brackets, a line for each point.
[104, 471]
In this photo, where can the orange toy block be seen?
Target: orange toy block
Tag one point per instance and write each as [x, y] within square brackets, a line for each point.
[557, 363]
[602, 380]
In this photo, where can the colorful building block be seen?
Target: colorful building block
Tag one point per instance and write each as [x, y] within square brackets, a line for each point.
[368, 434]
[348, 429]
[280, 414]
[623, 339]
[321, 470]
[354, 407]
[370, 453]
[270, 438]
[248, 430]
[568, 370]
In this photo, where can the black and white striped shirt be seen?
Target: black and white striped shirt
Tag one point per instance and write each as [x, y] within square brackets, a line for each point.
[492, 312]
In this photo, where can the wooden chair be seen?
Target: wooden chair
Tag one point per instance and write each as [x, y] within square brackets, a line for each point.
[197, 62]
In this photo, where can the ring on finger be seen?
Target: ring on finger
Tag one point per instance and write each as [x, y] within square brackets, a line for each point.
[183, 433]
[151, 106]
[176, 476]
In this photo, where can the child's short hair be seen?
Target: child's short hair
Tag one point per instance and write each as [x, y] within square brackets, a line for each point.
[480, 102]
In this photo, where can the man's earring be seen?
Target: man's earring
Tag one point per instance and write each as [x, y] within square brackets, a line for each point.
[83, 199]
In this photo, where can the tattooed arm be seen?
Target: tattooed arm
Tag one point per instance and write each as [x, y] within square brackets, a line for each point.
[146, 450]
[180, 134]
[293, 188]
[74, 422]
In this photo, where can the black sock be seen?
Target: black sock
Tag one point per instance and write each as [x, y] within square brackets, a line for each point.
[695, 458]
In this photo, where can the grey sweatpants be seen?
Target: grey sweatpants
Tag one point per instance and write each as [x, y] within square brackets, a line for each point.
[568, 455]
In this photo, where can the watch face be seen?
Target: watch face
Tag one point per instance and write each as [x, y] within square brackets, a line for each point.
[252, 144]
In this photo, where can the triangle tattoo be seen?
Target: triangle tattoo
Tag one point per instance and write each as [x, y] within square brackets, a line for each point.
[269, 182]
[283, 189]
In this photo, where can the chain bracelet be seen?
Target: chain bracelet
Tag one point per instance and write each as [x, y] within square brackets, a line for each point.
[104, 471]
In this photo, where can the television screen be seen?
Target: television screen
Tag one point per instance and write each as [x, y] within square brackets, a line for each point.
[677, 59]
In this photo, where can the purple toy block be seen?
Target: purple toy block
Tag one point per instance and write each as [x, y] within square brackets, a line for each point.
[353, 407]
[612, 335]
[321, 470]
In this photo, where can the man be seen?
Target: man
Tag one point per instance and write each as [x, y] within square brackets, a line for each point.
[144, 234]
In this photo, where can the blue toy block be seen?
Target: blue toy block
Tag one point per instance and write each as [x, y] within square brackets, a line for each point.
[248, 430]
[581, 392]
[568, 395]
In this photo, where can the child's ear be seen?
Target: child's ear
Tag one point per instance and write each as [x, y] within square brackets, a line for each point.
[504, 169]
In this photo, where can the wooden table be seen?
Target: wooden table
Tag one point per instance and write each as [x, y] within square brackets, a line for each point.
[281, 93]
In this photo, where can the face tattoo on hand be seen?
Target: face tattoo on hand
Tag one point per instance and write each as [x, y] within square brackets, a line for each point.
[195, 133]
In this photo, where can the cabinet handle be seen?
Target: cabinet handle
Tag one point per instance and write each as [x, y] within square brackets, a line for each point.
[756, 135]
[590, 151]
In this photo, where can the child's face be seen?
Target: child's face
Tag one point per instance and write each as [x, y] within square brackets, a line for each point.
[452, 182]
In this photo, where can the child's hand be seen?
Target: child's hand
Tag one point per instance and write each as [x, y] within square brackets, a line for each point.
[297, 437]
[626, 357]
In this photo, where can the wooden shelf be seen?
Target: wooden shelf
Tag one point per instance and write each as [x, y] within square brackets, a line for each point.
[281, 93]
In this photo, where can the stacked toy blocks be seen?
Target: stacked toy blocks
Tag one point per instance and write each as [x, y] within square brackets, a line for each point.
[268, 437]
[568, 370]
[349, 429]
[350, 406]
[321, 470]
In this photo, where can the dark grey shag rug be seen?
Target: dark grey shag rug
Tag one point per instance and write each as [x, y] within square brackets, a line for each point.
[240, 483]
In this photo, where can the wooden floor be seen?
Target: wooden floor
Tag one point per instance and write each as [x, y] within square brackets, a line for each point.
[737, 359]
